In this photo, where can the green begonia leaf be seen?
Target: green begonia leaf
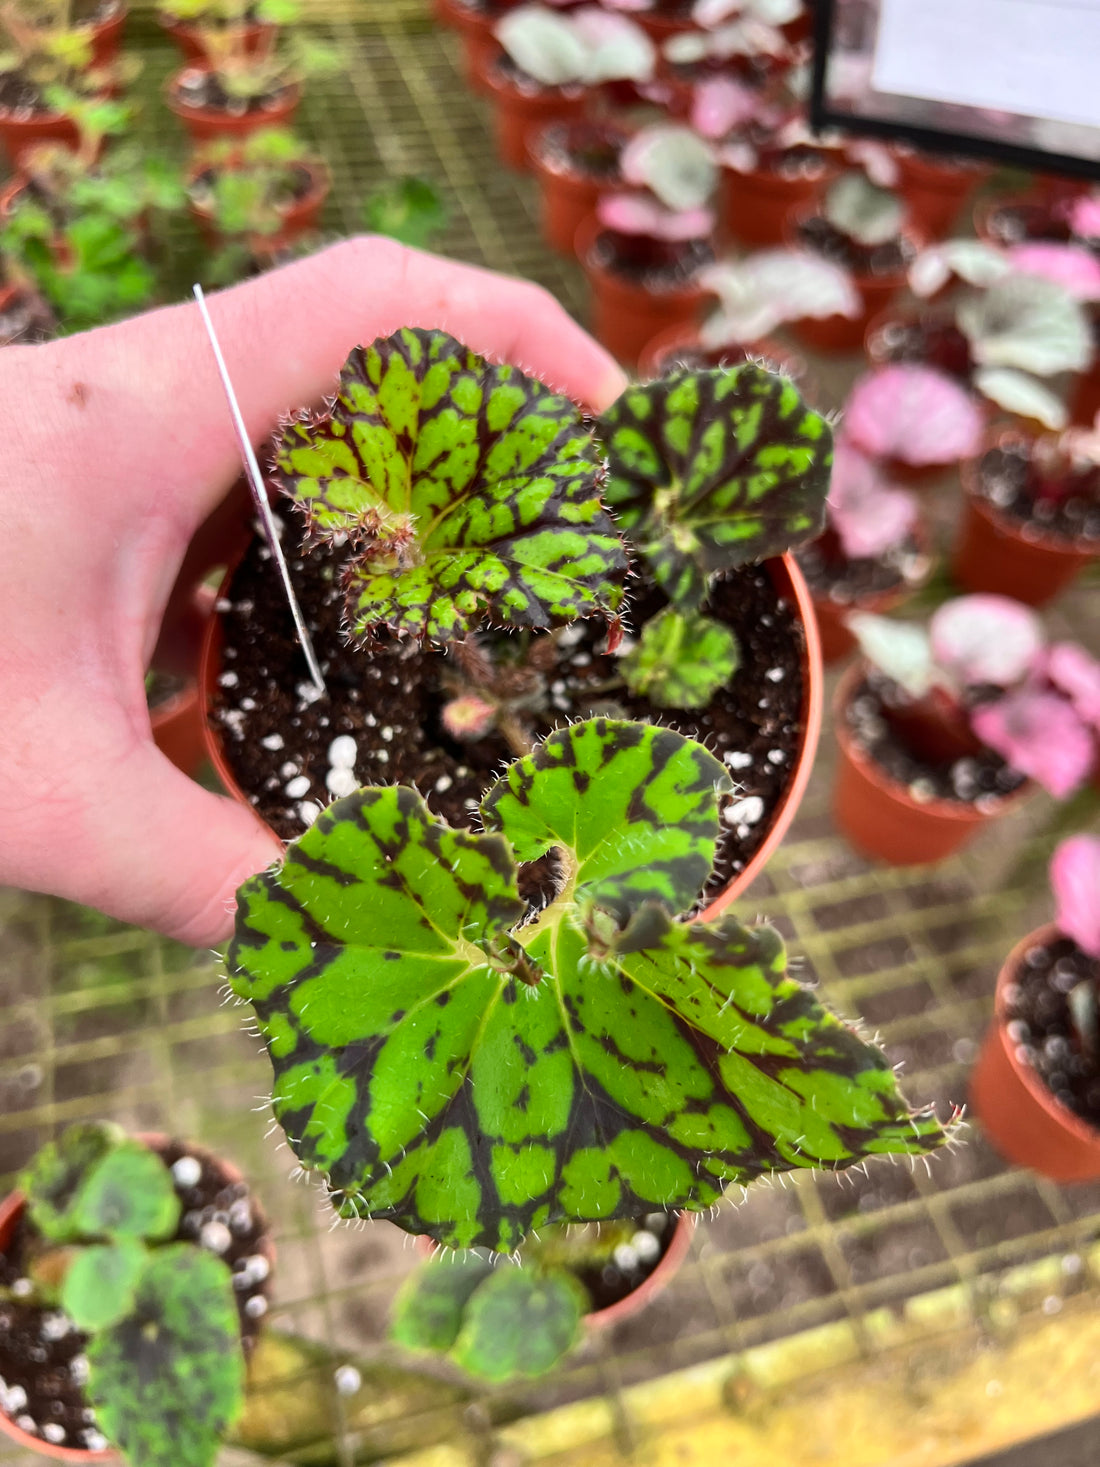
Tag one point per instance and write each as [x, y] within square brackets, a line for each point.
[473, 1078]
[129, 1193]
[716, 469]
[427, 1313]
[168, 1380]
[681, 659]
[55, 1177]
[468, 491]
[98, 1289]
[519, 1323]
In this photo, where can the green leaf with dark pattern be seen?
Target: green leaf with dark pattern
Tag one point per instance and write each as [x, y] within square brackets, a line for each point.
[99, 1284]
[474, 1077]
[681, 659]
[469, 493]
[168, 1380]
[713, 470]
[428, 1310]
[519, 1323]
[53, 1181]
[129, 1193]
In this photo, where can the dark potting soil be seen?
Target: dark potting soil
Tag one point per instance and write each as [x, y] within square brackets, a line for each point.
[608, 1283]
[203, 91]
[293, 184]
[278, 738]
[932, 341]
[1040, 1024]
[590, 149]
[982, 779]
[20, 98]
[801, 161]
[1070, 509]
[889, 258]
[832, 576]
[43, 1367]
[505, 70]
[657, 265]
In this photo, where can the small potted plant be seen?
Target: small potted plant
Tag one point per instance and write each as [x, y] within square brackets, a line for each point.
[940, 729]
[266, 189]
[575, 162]
[704, 605]
[132, 1272]
[873, 554]
[916, 418]
[645, 251]
[1031, 521]
[475, 1066]
[246, 85]
[548, 65]
[498, 1322]
[862, 228]
[935, 186]
[408, 209]
[1036, 1086]
[768, 171]
[190, 22]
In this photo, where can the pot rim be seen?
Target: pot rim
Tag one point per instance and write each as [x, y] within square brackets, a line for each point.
[587, 232]
[607, 125]
[1010, 527]
[789, 582]
[949, 810]
[896, 281]
[292, 93]
[1054, 1109]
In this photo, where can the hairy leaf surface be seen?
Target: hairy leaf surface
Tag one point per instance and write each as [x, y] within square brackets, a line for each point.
[473, 1078]
[716, 469]
[468, 491]
[681, 659]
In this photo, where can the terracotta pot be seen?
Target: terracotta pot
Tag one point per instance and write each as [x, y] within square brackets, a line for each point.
[935, 192]
[987, 208]
[788, 581]
[1018, 1113]
[11, 1210]
[298, 218]
[568, 196]
[755, 205]
[660, 28]
[880, 817]
[836, 640]
[177, 729]
[992, 553]
[647, 1290]
[256, 38]
[106, 39]
[205, 123]
[625, 316]
[839, 333]
[521, 115]
[1085, 398]
[480, 47]
[19, 135]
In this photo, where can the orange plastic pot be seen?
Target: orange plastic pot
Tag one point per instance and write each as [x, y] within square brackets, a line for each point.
[1022, 1119]
[788, 581]
[255, 38]
[205, 123]
[480, 47]
[297, 218]
[993, 554]
[935, 192]
[19, 135]
[521, 115]
[568, 197]
[881, 818]
[177, 729]
[755, 205]
[106, 39]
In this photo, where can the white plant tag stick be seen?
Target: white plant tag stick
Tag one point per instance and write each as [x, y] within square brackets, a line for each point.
[259, 495]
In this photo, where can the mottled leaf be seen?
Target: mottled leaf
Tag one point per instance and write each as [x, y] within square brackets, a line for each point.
[715, 469]
[427, 1313]
[168, 1380]
[129, 1193]
[99, 1284]
[473, 1079]
[468, 491]
[52, 1182]
[519, 1323]
[681, 659]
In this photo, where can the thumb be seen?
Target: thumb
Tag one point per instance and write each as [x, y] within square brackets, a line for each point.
[169, 855]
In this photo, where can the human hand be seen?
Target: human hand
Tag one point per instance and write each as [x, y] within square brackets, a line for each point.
[117, 447]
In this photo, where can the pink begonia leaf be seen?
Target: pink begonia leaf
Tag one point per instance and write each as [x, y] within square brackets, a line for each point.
[639, 214]
[1076, 673]
[876, 159]
[868, 515]
[1075, 881]
[986, 639]
[1071, 266]
[1040, 735]
[625, 4]
[719, 104]
[914, 413]
[1084, 216]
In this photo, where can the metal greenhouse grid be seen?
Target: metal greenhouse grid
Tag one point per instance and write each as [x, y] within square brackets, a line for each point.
[98, 1019]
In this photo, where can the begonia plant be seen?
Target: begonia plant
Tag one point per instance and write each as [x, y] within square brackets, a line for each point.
[581, 47]
[766, 289]
[914, 413]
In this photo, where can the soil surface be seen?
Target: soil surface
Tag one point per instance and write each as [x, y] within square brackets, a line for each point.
[832, 576]
[932, 341]
[293, 185]
[278, 737]
[506, 71]
[585, 149]
[1069, 509]
[889, 258]
[21, 99]
[611, 1282]
[203, 92]
[982, 779]
[43, 1367]
[657, 265]
[798, 162]
[1040, 1024]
